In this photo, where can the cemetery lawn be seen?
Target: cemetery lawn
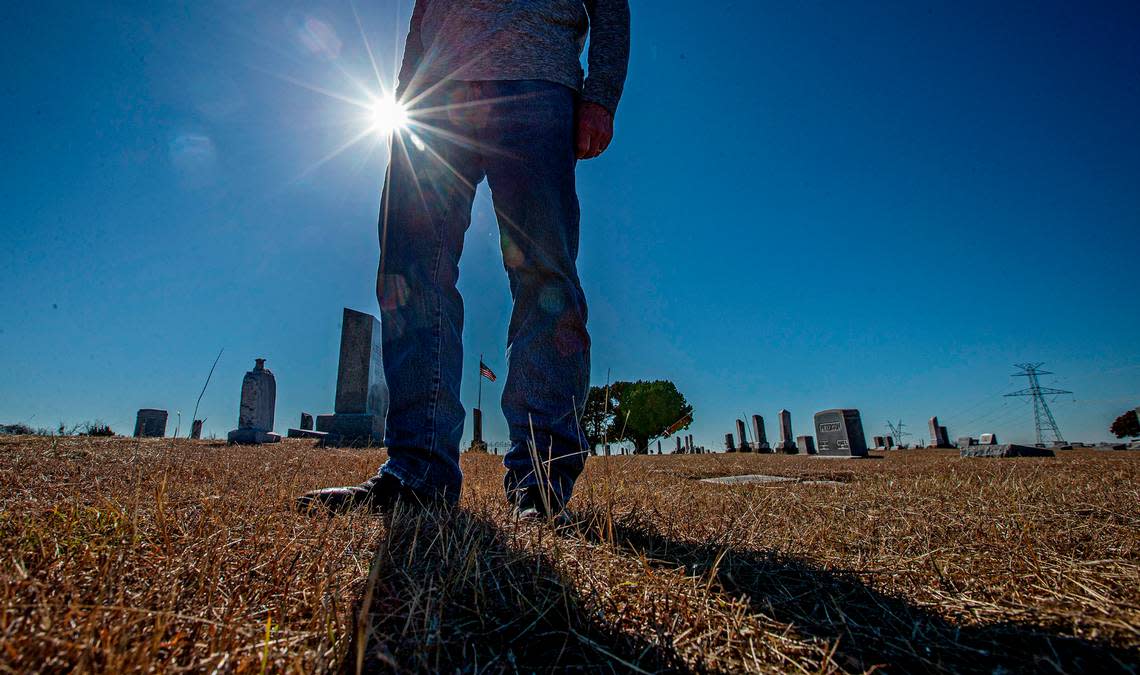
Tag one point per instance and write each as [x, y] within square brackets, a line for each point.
[121, 555]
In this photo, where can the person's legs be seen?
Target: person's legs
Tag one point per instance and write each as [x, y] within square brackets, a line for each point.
[531, 175]
[425, 211]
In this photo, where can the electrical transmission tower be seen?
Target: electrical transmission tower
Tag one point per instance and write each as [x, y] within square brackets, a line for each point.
[1042, 416]
[897, 431]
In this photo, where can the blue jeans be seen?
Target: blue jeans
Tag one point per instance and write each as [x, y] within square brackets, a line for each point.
[520, 136]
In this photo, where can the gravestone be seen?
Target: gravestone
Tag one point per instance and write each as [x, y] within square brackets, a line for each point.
[741, 431]
[1005, 450]
[966, 441]
[258, 402]
[939, 437]
[196, 429]
[805, 445]
[477, 442]
[679, 449]
[150, 423]
[987, 439]
[890, 442]
[840, 433]
[729, 444]
[878, 442]
[361, 393]
[306, 430]
[759, 434]
[786, 444]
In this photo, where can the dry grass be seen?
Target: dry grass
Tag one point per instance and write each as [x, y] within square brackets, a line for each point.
[121, 555]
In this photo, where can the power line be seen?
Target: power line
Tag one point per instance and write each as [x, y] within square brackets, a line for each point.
[1042, 416]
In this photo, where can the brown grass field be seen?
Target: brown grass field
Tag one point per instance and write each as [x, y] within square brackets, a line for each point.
[121, 555]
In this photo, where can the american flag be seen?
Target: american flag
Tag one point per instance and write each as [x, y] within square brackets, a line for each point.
[486, 372]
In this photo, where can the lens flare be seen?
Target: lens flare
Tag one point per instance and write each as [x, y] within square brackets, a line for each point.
[388, 115]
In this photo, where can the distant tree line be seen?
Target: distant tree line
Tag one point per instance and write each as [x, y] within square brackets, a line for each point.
[96, 428]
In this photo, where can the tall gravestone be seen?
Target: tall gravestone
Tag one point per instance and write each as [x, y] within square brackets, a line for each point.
[760, 434]
[678, 451]
[939, 437]
[477, 442]
[729, 444]
[840, 433]
[742, 434]
[786, 443]
[150, 423]
[258, 402]
[361, 393]
[196, 429]
[889, 442]
[878, 442]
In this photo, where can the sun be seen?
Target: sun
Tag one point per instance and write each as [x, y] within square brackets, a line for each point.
[388, 115]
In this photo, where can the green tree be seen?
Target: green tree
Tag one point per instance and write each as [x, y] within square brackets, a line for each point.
[1126, 425]
[598, 419]
[648, 410]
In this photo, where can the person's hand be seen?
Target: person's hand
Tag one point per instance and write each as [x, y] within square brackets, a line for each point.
[595, 130]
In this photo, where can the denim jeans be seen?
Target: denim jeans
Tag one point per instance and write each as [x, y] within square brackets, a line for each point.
[519, 135]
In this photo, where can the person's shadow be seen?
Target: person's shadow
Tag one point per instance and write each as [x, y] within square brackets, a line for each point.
[870, 629]
[447, 593]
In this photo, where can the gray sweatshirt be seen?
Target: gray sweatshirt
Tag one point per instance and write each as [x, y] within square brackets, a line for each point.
[519, 40]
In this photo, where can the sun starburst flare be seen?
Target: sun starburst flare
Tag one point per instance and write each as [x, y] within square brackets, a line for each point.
[388, 115]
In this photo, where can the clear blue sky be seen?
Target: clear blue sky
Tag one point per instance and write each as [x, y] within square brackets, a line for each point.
[807, 205]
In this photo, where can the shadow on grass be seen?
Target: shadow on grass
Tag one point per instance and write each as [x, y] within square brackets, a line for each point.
[872, 628]
[446, 593]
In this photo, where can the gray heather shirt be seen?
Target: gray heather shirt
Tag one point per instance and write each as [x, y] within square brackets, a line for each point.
[519, 40]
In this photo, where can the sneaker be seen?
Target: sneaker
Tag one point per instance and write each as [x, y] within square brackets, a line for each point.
[529, 506]
[379, 493]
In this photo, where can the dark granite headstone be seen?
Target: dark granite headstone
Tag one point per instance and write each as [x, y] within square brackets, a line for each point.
[729, 444]
[839, 433]
[150, 423]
